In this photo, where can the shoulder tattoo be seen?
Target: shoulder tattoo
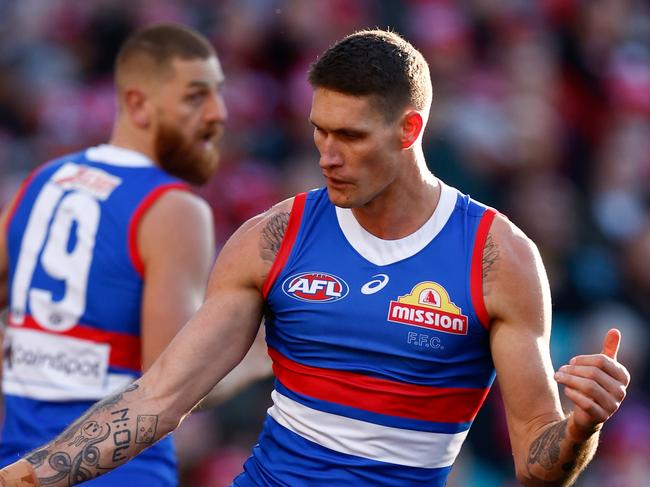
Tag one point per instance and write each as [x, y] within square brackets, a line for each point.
[272, 236]
[490, 257]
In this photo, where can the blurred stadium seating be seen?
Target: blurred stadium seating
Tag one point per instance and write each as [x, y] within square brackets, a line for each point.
[541, 108]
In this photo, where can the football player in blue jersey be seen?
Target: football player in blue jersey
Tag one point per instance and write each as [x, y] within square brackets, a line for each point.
[391, 299]
[105, 254]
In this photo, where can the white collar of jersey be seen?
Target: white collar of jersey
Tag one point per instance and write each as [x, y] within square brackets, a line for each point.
[384, 252]
[118, 156]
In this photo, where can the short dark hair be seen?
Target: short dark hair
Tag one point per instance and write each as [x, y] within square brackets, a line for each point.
[159, 44]
[378, 63]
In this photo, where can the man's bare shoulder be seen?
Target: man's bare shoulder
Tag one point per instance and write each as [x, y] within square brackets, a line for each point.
[179, 225]
[178, 205]
[514, 277]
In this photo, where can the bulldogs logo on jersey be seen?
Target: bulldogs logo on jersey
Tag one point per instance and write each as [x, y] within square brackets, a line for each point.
[316, 287]
[428, 305]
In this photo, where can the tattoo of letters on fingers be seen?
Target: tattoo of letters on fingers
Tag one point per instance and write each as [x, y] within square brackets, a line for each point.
[146, 429]
[272, 236]
[490, 256]
[545, 450]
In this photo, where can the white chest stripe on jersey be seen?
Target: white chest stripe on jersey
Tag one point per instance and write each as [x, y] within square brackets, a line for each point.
[351, 436]
[376, 285]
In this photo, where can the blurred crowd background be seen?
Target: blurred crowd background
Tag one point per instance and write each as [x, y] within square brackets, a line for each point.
[541, 109]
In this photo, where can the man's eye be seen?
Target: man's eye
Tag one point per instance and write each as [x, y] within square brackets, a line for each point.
[350, 136]
[195, 97]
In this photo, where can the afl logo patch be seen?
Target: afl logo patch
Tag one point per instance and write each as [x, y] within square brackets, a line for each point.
[315, 287]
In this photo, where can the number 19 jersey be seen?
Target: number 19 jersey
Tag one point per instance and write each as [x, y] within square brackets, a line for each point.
[75, 292]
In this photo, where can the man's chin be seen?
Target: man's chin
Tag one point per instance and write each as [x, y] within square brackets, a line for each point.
[340, 199]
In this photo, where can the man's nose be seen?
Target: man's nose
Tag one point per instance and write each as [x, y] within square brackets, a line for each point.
[329, 155]
[215, 110]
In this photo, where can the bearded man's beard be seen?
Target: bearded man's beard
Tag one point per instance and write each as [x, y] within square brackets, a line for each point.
[184, 157]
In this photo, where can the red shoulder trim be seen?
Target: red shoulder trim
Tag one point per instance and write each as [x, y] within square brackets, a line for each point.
[139, 212]
[476, 271]
[20, 195]
[287, 242]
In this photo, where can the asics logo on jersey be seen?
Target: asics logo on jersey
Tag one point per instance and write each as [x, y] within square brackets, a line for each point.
[315, 287]
[376, 285]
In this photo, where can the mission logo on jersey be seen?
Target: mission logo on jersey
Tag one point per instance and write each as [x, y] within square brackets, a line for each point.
[428, 306]
[315, 287]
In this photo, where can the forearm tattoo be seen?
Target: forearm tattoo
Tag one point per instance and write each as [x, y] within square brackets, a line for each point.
[102, 439]
[272, 236]
[490, 257]
[545, 450]
[568, 461]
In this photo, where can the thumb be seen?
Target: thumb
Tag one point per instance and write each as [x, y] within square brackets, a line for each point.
[611, 343]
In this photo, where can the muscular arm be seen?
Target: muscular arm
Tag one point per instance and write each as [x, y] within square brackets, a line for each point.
[549, 447]
[256, 364]
[206, 349]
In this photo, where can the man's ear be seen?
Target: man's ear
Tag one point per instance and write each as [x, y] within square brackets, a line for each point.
[138, 107]
[412, 125]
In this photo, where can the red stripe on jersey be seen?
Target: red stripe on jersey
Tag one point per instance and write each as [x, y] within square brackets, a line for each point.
[476, 272]
[125, 348]
[287, 242]
[20, 195]
[437, 404]
[146, 203]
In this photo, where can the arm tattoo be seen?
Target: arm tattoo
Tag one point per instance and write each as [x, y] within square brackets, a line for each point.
[102, 439]
[545, 450]
[146, 429]
[566, 461]
[101, 406]
[77, 469]
[37, 458]
[272, 236]
[490, 256]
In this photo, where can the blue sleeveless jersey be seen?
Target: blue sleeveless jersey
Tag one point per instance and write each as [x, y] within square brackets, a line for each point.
[75, 292]
[380, 348]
